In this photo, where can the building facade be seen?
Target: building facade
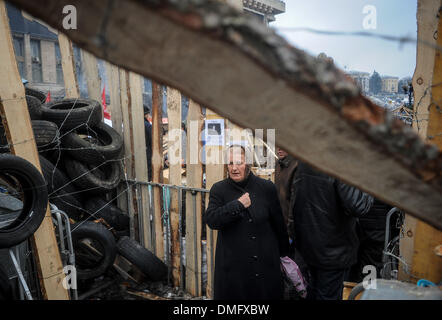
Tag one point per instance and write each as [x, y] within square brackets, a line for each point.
[362, 79]
[36, 51]
[390, 84]
[264, 10]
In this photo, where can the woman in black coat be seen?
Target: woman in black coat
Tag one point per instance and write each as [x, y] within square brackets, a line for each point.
[252, 236]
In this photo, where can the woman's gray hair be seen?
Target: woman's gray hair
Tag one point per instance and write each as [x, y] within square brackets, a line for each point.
[244, 150]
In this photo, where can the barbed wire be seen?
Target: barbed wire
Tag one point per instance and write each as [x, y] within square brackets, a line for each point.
[400, 39]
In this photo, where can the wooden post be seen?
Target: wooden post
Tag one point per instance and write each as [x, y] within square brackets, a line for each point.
[214, 173]
[128, 146]
[20, 136]
[418, 247]
[157, 165]
[194, 178]
[174, 156]
[139, 152]
[68, 66]
[90, 70]
[113, 77]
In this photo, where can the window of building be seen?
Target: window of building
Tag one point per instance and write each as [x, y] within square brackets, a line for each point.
[37, 74]
[58, 68]
[19, 50]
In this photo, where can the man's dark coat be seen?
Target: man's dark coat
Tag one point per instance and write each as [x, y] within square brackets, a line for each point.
[250, 241]
[325, 213]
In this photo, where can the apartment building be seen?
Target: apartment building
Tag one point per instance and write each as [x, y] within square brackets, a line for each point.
[36, 50]
[390, 84]
[362, 79]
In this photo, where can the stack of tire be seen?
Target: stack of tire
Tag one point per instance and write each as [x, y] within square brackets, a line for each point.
[80, 157]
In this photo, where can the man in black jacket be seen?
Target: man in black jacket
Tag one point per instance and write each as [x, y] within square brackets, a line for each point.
[148, 136]
[325, 212]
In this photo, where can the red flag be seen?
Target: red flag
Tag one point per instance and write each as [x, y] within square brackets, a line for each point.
[48, 97]
[105, 111]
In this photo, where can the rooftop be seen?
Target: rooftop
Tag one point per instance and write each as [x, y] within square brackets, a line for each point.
[265, 6]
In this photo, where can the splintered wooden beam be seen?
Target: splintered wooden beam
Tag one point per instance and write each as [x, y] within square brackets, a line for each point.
[174, 156]
[194, 179]
[68, 66]
[157, 167]
[93, 80]
[214, 172]
[17, 123]
[244, 71]
[140, 160]
[419, 245]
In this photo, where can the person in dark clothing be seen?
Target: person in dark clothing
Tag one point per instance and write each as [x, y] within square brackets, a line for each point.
[252, 235]
[371, 234]
[325, 211]
[284, 182]
[148, 135]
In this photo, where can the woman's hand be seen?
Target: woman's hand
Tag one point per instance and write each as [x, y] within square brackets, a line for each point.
[245, 200]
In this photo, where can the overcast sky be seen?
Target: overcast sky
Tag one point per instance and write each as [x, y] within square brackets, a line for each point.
[393, 17]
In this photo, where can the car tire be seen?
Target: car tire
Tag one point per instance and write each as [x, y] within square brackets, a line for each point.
[100, 208]
[34, 198]
[94, 179]
[149, 264]
[34, 107]
[35, 93]
[70, 114]
[46, 134]
[103, 144]
[61, 192]
[102, 240]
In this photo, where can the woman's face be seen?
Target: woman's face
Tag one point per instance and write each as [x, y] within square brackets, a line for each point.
[236, 165]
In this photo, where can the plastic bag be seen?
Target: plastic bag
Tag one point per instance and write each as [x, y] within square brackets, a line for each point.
[291, 270]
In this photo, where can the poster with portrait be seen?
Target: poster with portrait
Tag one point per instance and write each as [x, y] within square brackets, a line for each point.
[214, 129]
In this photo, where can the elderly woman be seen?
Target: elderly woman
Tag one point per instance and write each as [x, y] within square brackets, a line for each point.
[252, 235]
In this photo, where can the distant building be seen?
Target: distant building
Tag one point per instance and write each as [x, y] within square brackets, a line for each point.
[264, 10]
[390, 84]
[36, 50]
[362, 79]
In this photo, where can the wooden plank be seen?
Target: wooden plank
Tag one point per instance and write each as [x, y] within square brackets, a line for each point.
[427, 22]
[128, 146]
[194, 178]
[20, 136]
[68, 66]
[326, 120]
[157, 166]
[420, 239]
[113, 79]
[174, 156]
[140, 164]
[426, 263]
[90, 71]
[215, 172]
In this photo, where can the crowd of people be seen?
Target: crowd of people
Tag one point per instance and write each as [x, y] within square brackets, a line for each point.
[330, 229]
